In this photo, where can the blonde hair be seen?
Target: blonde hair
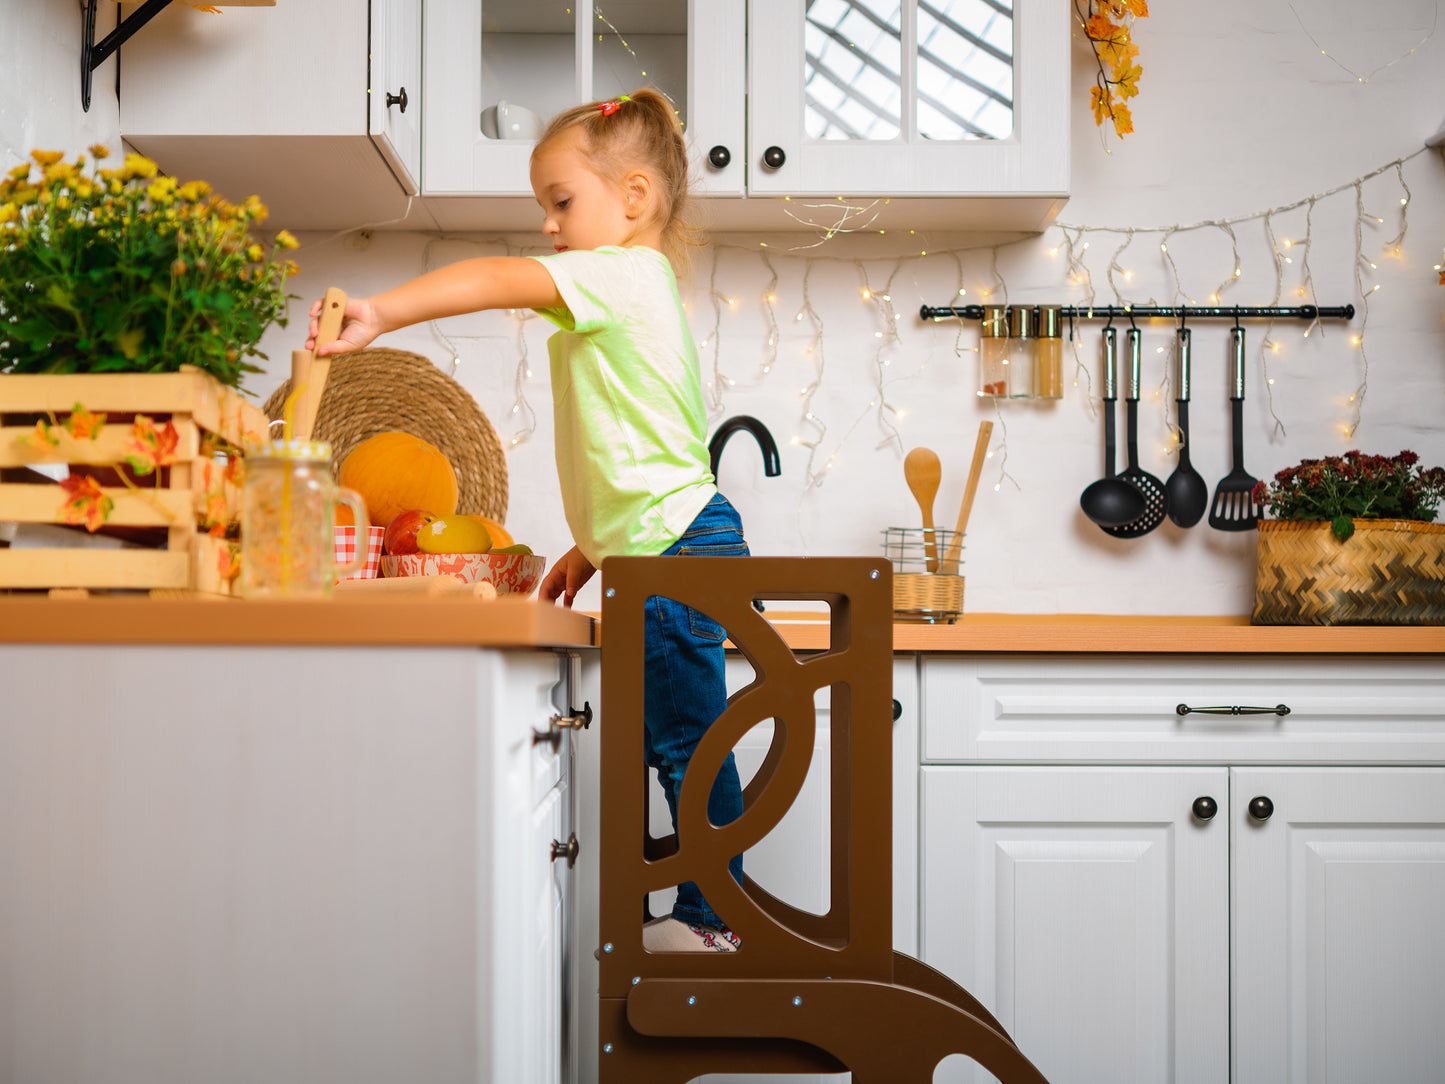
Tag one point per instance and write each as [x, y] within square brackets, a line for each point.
[638, 129]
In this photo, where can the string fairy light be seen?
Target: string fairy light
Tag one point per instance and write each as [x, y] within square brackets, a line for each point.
[1374, 71]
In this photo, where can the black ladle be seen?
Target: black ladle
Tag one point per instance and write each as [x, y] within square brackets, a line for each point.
[1156, 501]
[1188, 493]
[1110, 502]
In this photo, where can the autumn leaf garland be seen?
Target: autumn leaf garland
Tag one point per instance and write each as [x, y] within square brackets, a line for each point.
[1106, 23]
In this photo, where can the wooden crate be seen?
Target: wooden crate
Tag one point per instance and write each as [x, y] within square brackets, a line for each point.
[184, 557]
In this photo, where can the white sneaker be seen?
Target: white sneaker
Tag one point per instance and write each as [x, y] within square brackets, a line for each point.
[673, 935]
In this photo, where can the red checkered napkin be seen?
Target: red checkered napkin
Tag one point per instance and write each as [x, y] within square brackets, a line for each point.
[346, 545]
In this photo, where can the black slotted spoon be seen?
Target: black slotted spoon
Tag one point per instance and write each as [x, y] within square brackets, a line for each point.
[1233, 508]
[1156, 500]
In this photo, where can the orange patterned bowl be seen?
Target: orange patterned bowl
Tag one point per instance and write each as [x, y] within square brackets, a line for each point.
[509, 573]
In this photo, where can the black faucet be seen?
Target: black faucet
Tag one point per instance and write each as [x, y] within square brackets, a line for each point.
[772, 466]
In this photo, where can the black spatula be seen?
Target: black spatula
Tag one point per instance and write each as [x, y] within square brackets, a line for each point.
[1233, 508]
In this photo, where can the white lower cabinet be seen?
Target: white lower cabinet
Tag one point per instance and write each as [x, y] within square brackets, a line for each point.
[235, 864]
[1339, 942]
[1089, 910]
[1210, 920]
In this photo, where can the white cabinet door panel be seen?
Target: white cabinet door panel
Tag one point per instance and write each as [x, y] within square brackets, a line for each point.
[1085, 907]
[1339, 945]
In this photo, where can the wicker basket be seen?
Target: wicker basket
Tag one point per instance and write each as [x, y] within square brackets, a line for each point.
[920, 595]
[377, 391]
[1389, 572]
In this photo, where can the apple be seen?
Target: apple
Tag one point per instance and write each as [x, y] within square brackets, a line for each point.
[401, 532]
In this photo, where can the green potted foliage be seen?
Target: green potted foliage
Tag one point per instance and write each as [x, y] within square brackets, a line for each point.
[124, 270]
[1353, 541]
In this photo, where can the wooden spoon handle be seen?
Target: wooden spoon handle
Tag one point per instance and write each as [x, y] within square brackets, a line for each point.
[980, 450]
[333, 307]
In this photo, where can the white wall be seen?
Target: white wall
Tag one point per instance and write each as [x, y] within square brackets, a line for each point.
[40, 81]
[1239, 112]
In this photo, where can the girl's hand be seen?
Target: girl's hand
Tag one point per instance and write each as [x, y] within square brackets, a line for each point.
[359, 325]
[566, 577]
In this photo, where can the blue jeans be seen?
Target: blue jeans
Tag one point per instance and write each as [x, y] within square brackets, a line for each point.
[684, 691]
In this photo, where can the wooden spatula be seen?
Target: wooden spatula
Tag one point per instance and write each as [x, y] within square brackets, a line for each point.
[309, 372]
[949, 565]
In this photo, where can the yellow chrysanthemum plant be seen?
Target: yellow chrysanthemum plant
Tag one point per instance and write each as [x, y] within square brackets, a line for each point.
[125, 270]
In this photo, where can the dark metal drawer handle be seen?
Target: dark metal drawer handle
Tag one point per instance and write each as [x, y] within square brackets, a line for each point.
[1232, 709]
[576, 720]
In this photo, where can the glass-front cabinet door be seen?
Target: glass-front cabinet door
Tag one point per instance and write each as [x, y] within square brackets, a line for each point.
[908, 97]
[497, 70]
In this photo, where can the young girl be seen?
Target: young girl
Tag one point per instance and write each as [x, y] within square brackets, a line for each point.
[611, 178]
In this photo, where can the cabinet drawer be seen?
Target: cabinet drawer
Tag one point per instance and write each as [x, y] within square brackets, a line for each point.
[1076, 708]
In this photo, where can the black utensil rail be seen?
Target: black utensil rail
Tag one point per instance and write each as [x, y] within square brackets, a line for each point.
[1183, 312]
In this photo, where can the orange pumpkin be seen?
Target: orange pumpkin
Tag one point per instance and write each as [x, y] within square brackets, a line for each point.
[394, 472]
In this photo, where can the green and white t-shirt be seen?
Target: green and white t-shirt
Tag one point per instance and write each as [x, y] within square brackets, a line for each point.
[627, 401]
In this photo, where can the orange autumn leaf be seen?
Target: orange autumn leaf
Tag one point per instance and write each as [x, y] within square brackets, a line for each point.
[152, 447]
[86, 503]
[229, 563]
[215, 517]
[1137, 8]
[1099, 103]
[45, 434]
[1116, 52]
[235, 470]
[1123, 119]
[1125, 80]
[82, 424]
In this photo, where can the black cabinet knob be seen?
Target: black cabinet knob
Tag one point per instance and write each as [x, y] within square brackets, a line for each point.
[774, 157]
[897, 711]
[397, 99]
[1205, 807]
[1260, 808]
[719, 156]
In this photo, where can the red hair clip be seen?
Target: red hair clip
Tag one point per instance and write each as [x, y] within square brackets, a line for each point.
[608, 108]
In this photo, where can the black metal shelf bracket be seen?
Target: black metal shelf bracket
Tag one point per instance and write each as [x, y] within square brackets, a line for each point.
[95, 53]
[1183, 312]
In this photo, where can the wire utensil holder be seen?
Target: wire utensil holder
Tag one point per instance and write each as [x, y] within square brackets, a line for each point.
[918, 594]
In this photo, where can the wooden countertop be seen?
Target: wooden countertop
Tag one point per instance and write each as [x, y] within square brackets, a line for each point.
[374, 621]
[517, 623]
[1108, 634]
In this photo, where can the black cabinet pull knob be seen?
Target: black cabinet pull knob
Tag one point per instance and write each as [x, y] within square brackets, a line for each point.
[1260, 808]
[774, 157]
[719, 156]
[397, 99]
[897, 711]
[1205, 807]
[568, 850]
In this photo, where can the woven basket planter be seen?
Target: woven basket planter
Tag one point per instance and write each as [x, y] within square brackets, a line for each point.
[1389, 572]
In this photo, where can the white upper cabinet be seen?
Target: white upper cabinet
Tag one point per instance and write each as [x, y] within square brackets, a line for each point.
[496, 70]
[915, 105]
[908, 98]
[314, 107]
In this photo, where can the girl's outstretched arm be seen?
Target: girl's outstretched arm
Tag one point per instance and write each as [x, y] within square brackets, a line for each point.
[487, 282]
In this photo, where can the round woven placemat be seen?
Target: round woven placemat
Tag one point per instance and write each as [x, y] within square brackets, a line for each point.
[380, 391]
